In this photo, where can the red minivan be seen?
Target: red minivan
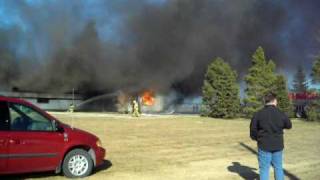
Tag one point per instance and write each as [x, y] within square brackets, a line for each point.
[31, 140]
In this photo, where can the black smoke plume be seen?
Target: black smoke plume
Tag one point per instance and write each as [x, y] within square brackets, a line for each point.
[103, 46]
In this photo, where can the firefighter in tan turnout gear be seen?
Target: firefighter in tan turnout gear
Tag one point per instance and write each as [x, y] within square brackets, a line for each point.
[71, 108]
[135, 109]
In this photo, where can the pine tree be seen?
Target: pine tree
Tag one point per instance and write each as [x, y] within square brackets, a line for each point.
[260, 80]
[312, 110]
[220, 91]
[300, 83]
[316, 71]
[281, 90]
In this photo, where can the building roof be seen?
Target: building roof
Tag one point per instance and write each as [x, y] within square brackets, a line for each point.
[40, 95]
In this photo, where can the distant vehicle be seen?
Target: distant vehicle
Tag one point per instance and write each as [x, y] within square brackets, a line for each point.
[31, 140]
[301, 102]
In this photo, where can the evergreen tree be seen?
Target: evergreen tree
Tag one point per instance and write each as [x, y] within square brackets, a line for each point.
[300, 83]
[316, 71]
[281, 90]
[260, 80]
[220, 91]
[312, 111]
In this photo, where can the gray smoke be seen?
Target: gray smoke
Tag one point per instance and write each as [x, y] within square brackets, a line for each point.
[101, 46]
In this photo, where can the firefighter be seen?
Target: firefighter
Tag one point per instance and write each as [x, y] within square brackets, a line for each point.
[135, 109]
[71, 108]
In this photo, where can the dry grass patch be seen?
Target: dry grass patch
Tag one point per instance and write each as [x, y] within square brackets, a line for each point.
[189, 147]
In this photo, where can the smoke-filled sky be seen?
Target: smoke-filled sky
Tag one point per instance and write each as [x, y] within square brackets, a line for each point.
[108, 45]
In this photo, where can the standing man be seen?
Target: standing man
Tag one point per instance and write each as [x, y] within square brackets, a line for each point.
[266, 128]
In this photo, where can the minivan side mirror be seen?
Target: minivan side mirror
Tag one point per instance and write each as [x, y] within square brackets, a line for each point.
[57, 127]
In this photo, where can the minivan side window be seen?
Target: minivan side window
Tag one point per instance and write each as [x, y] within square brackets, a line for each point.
[4, 116]
[24, 118]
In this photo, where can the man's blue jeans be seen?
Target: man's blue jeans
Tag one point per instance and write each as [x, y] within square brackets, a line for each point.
[270, 158]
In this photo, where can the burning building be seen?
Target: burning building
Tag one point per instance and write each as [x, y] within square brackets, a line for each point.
[165, 103]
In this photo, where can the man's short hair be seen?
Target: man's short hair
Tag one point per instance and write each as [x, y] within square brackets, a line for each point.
[269, 97]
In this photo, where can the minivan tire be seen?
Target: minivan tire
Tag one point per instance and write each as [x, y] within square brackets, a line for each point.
[77, 164]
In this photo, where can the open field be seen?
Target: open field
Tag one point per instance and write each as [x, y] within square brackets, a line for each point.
[188, 147]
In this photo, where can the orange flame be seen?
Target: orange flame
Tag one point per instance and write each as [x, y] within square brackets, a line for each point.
[148, 98]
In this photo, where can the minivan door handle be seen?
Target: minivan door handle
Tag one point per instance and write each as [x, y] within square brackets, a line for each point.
[14, 141]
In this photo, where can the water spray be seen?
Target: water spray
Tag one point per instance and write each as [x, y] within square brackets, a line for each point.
[73, 107]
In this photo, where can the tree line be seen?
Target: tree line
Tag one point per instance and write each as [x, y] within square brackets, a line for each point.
[221, 91]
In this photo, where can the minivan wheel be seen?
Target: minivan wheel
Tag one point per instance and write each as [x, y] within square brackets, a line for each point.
[77, 164]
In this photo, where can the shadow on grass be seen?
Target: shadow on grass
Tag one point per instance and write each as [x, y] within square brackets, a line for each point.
[104, 166]
[245, 172]
[286, 172]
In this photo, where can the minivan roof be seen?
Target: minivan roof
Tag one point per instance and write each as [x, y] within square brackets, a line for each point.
[22, 101]
[15, 100]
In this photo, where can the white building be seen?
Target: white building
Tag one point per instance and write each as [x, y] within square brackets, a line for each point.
[49, 102]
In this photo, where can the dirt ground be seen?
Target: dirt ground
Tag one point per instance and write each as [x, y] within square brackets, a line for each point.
[188, 147]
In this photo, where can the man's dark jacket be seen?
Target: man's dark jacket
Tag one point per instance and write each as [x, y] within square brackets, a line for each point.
[267, 126]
